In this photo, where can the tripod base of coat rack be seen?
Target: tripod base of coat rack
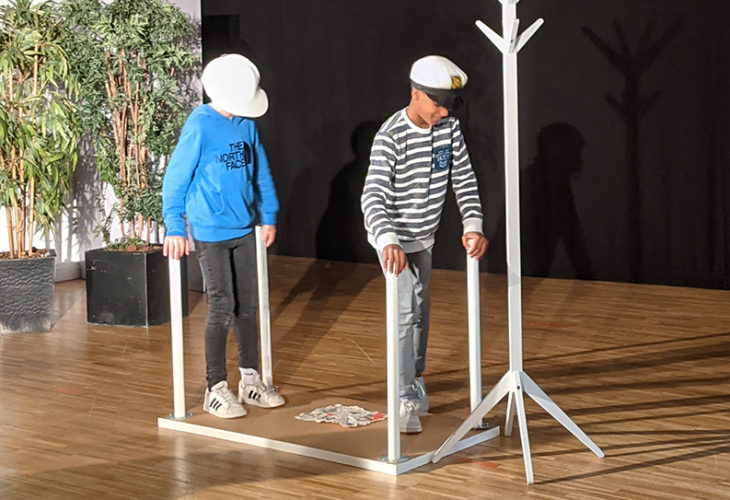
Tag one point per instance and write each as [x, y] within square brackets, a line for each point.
[514, 385]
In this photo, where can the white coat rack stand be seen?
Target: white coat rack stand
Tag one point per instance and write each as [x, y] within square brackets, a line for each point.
[515, 382]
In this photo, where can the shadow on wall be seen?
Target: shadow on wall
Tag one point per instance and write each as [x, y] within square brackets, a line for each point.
[87, 187]
[341, 233]
[632, 64]
[548, 215]
[548, 208]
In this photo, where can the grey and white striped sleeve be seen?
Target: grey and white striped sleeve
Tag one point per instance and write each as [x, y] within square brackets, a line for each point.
[464, 183]
[379, 190]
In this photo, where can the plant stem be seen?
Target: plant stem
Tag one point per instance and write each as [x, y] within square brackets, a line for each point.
[11, 239]
[22, 193]
[31, 222]
[13, 173]
[31, 198]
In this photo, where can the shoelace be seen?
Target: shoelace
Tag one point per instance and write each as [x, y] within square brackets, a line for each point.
[258, 383]
[420, 391]
[407, 406]
[227, 396]
[265, 392]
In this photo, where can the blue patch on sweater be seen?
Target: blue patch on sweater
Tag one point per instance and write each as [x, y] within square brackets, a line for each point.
[441, 158]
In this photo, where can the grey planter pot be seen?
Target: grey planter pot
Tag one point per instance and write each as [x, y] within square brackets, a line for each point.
[26, 294]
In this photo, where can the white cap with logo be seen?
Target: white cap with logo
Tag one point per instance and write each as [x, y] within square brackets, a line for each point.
[438, 78]
[232, 83]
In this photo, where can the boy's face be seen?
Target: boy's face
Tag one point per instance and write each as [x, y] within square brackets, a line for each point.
[427, 109]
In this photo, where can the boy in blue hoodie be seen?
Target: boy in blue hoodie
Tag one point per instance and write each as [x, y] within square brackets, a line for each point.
[218, 179]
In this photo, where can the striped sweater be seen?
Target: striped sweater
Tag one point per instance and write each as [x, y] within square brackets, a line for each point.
[405, 187]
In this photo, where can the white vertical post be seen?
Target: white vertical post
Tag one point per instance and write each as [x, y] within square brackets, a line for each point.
[512, 186]
[176, 327]
[475, 345]
[262, 271]
[391, 304]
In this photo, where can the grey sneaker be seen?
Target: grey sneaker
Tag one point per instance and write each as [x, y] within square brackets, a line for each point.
[421, 401]
[409, 421]
[220, 401]
[256, 393]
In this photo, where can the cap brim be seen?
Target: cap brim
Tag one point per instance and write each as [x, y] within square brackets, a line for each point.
[448, 100]
[250, 109]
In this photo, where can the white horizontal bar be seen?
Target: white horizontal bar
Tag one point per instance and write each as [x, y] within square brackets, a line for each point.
[308, 451]
[272, 444]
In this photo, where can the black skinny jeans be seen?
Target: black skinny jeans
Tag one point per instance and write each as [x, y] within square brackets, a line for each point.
[229, 269]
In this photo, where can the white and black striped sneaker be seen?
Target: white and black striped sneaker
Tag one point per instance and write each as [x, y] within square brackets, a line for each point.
[256, 393]
[221, 402]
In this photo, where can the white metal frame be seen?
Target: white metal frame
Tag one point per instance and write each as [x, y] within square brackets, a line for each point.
[176, 326]
[475, 342]
[515, 382]
[393, 370]
[262, 274]
[394, 463]
[383, 466]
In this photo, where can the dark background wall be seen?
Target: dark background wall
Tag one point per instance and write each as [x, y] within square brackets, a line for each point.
[623, 113]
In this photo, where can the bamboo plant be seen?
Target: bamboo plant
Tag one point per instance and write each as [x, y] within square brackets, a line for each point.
[38, 126]
[135, 60]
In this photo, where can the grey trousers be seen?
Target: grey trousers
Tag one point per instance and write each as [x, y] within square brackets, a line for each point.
[414, 304]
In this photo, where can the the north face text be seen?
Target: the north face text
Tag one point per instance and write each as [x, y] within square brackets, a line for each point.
[238, 155]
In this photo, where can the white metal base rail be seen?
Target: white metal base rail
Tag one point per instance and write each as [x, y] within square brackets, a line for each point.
[394, 463]
[330, 456]
[515, 381]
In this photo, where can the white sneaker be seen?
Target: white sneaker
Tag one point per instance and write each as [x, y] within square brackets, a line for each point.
[256, 393]
[421, 402]
[221, 402]
[409, 421]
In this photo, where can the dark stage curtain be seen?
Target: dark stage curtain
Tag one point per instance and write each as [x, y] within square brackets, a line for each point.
[623, 111]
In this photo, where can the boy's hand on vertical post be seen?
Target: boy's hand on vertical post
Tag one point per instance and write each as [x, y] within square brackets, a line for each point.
[175, 247]
[394, 259]
[269, 235]
[475, 244]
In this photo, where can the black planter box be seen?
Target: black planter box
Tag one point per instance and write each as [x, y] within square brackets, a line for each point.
[26, 294]
[130, 288]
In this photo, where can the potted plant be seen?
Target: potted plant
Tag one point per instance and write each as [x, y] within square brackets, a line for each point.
[38, 155]
[135, 60]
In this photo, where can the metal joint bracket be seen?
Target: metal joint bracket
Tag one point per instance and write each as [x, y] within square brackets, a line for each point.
[173, 417]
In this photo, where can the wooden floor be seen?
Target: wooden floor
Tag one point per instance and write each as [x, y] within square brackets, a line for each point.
[644, 370]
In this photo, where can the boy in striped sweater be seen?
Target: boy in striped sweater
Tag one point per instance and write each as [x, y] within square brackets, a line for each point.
[414, 155]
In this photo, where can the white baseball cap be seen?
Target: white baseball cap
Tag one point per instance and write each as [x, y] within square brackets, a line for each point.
[438, 78]
[232, 83]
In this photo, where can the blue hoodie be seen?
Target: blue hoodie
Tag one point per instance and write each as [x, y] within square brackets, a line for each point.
[218, 178]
